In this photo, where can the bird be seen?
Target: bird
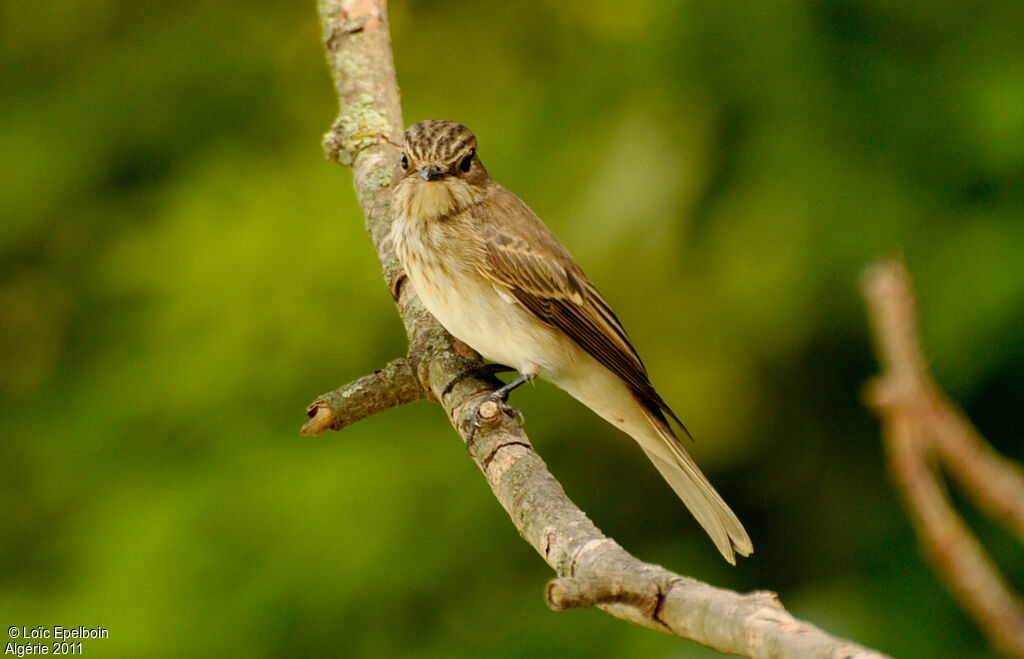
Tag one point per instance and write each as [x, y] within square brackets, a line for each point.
[496, 278]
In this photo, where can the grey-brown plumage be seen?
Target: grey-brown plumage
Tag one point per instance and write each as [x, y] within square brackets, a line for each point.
[497, 278]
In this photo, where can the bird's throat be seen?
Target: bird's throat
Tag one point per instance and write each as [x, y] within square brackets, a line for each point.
[427, 201]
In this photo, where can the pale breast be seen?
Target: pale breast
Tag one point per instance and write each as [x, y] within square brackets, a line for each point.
[471, 307]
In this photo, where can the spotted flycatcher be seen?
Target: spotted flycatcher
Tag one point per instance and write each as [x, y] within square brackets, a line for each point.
[497, 279]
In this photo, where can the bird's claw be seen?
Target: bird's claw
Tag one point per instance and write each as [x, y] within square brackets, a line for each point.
[477, 371]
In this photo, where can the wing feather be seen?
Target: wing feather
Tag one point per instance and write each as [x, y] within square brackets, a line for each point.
[525, 258]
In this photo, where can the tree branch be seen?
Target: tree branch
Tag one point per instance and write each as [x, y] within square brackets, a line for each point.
[593, 569]
[920, 427]
[395, 384]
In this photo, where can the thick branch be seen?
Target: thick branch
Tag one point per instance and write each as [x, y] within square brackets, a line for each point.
[599, 571]
[602, 573]
[921, 426]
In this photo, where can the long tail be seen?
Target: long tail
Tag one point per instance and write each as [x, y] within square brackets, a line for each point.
[609, 396]
[685, 477]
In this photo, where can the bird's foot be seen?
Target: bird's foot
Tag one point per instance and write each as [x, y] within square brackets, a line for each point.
[477, 371]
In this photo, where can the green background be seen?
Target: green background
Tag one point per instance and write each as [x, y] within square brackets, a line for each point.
[181, 273]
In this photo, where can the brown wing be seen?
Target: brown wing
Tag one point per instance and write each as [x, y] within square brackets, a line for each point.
[522, 255]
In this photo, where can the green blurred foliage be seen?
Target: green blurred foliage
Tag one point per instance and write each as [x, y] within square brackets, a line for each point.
[181, 272]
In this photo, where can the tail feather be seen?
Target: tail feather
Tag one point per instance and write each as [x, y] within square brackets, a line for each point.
[610, 397]
[707, 506]
[689, 482]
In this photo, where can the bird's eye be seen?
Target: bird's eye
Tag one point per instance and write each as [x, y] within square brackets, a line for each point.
[405, 161]
[467, 162]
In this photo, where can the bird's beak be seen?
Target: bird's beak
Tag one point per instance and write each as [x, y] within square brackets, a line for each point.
[431, 173]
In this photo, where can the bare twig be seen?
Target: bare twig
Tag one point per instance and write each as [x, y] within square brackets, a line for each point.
[395, 384]
[594, 569]
[921, 426]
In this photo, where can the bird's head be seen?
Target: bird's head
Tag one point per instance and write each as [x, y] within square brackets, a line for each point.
[439, 172]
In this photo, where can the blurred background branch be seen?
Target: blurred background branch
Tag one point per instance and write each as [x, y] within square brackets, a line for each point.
[923, 433]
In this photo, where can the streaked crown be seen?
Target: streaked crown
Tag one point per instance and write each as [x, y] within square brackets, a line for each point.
[438, 141]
